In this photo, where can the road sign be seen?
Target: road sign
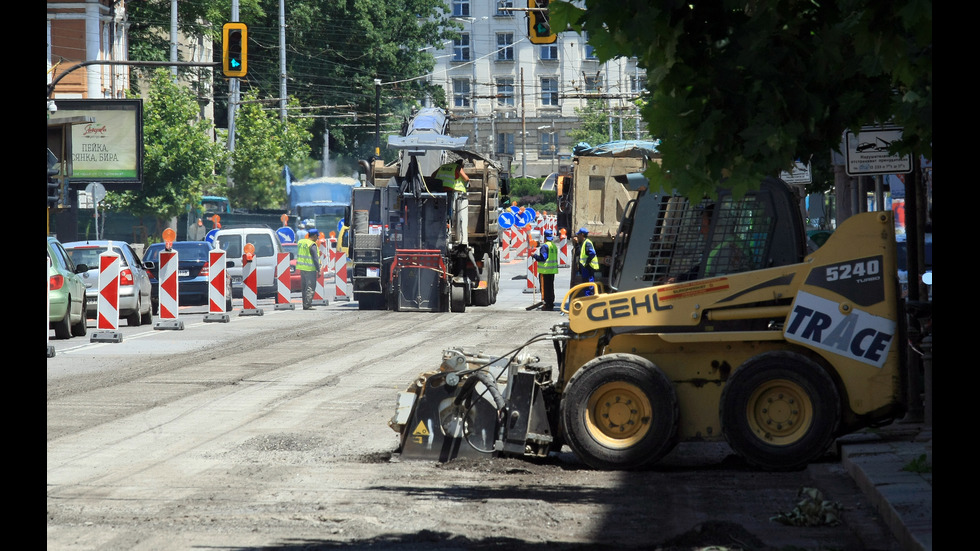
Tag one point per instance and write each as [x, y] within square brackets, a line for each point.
[800, 174]
[286, 235]
[866, 153]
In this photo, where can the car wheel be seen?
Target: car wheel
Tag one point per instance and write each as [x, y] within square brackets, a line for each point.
[80, 328]
[62, 328]
[134, 318]
[147, 318]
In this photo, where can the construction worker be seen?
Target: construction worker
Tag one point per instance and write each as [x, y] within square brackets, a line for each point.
[308, 264]
[547, 259]
[588, 263]
[454, 180]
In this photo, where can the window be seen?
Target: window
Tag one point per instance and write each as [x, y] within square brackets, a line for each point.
[505, 46]
[593, 83]
[589, 50]
[505, 92]
[461, 8]
[637, 82]
[549, 145]
[505, 143]
[549, 91]
[549, 52]
[461, 48]
[504, 4]
[461, 92]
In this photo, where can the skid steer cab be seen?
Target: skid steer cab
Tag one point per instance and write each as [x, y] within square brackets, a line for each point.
[717, 323]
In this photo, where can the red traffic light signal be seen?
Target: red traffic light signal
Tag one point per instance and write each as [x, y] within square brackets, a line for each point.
[234, 49]
[538, 26]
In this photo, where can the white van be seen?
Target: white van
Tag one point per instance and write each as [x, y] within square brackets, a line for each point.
[267, 247]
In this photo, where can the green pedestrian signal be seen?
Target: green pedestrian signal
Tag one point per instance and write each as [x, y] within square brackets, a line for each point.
[538, 26]
[234, 49]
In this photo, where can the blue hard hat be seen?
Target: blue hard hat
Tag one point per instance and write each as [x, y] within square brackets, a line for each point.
[312, 231]
[548, 234]
[583, 231]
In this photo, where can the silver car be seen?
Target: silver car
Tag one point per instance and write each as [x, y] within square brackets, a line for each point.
[135, 302]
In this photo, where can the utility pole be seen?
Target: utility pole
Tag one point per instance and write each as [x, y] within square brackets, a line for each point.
[282, 60]
[377, 117]
[233, 100]
[523, 130]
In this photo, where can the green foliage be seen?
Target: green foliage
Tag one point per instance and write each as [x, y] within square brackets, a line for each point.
[528, 193]
[739, 90]
[918, 465]
[593, 127]
[263, 145]
[180, 160]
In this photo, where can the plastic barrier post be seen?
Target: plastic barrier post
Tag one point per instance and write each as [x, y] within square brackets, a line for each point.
[564, 254]
[532, 276]
[340, 278]
[107, 328]
[168, 297]
[319, 293]
[250, 280]
[217, 272]
[283, 293]
[47, 328]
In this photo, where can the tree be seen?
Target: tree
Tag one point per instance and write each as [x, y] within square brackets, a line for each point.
[180, 159]
[739, 90]
[594, 124]
[263, 145]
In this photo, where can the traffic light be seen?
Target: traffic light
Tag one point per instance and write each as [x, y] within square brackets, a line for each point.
[54, 186]
[538, 27]
[234, 49]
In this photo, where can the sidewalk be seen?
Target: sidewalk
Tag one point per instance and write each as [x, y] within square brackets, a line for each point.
[883, 463]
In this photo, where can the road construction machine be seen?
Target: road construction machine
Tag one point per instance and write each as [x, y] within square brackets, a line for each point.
[719, 324]
[404, 252]
[592, 194]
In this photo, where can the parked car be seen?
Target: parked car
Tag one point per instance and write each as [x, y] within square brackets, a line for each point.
[903, 267]
[66, 293]
[267, 248]
[193, 272]
[135, 304]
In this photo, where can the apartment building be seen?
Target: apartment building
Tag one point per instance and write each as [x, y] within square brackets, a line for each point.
[516, 100]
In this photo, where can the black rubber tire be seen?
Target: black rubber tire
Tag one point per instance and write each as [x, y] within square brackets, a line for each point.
[62, 328]
[133, 319]
[482, 297]
[457, 298]
[147, 318]
[780, 411]
[81, 328]
[619, 411]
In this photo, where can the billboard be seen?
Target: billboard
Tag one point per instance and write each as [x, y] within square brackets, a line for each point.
[108, 150]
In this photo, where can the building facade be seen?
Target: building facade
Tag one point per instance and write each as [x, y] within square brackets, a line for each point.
[515, 100]
[86, 30]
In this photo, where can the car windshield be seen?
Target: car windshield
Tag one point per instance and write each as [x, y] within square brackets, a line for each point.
[194, 251]
[291, 248]
[89, 255]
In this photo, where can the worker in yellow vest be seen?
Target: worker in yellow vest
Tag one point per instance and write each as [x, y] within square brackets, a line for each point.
[588, 262]
[454, 180]
[308, 264]
[547, 259]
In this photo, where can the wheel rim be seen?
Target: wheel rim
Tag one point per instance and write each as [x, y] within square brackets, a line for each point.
[618, 415]
[780, 412]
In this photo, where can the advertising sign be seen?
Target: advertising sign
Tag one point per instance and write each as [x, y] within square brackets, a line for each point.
[108, 150]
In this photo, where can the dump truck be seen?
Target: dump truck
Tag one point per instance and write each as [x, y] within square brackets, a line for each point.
[403, 253]
[589, 195]
[719, 324]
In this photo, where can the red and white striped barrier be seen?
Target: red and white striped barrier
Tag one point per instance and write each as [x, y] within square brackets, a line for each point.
[250, 293]
[107, 314]
[341, 291]
[532, 276]
[319, 293]
[217, 286]
[506, 248]
[564, 253]
[168, 297]
[283, 292]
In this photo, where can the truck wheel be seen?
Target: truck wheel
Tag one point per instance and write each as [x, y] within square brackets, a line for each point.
[619, 411]
[780, 411]
[482, 297]
[457, 298]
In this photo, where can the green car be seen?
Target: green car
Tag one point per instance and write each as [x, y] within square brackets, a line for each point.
[66, 293]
